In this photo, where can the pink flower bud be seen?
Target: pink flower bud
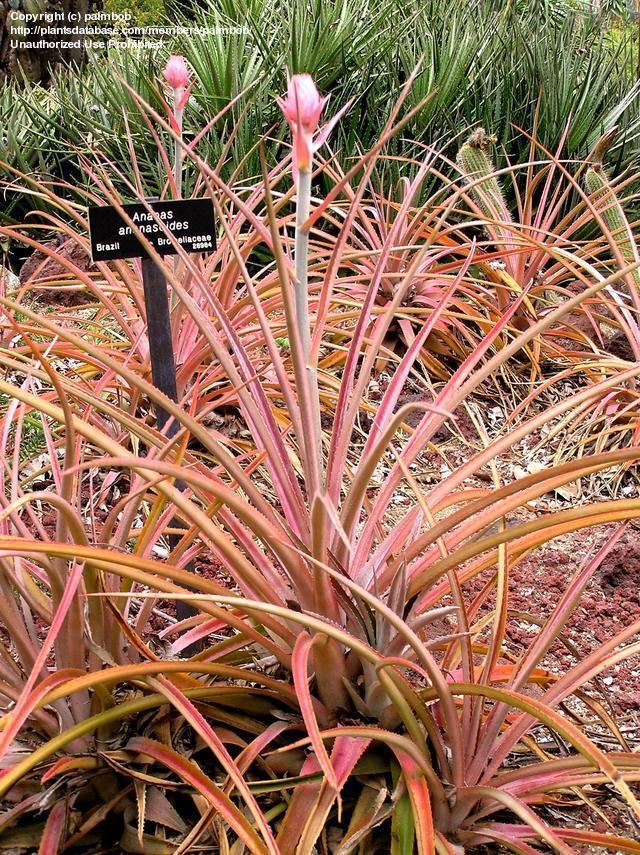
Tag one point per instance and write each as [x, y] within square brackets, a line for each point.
[303, 104]
[176, 72]
[302, 108]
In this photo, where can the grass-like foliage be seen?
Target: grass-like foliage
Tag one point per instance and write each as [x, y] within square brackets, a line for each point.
[479, 60]
[349, 695]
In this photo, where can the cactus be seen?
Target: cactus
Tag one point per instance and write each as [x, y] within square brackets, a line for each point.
[604, 198]
[474, 163]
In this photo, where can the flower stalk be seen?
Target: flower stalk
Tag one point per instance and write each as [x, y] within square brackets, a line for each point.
[301, 302]
[301, 289]
[302, 107]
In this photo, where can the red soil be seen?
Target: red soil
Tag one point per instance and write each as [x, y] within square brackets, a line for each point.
[38, 268]
[610, 602]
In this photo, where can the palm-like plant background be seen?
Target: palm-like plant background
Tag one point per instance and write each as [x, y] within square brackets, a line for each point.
[472, 241]
[502, 65]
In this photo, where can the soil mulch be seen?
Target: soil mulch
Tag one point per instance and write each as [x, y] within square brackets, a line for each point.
[39, 268]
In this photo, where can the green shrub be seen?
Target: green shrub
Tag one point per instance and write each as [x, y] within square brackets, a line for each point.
[144, 12]
[479, 59]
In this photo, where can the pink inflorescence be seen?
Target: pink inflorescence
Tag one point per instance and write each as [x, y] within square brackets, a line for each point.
[302, 107]
[176, 72]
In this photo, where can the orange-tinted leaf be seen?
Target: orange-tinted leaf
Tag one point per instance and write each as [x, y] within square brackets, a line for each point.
[194, 776]
[420, 801]
[53, 830]
[300, 669]
[70, 764]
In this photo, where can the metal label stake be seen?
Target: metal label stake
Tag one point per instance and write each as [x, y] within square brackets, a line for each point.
[163, 373]
[163, 365]
[191, 222]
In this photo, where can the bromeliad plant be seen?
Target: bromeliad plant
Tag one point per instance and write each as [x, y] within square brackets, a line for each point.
[527, 258]
[350, 694]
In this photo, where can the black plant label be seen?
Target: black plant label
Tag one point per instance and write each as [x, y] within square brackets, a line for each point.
[186, 223]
